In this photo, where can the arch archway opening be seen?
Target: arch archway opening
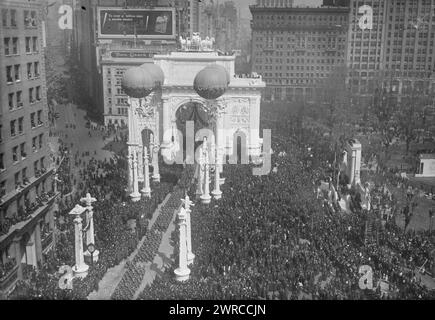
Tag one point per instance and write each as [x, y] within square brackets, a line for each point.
[198, 114]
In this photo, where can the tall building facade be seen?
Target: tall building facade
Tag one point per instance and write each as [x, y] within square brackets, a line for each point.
[295, 49]
[409, 57]
[365, 45]
[398, 49]
[26, 183]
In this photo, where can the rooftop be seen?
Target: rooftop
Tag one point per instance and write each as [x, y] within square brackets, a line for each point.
[427, 156]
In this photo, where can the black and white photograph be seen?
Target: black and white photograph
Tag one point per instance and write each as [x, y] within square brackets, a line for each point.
[240, 152]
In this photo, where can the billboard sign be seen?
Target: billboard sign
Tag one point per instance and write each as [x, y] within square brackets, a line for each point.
[131, 54]
[156, 23]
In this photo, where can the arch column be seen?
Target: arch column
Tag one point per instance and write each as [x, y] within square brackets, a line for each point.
[254, 130]
[220, 139]
[167, 122]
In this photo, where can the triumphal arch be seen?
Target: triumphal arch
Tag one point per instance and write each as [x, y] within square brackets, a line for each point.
[196, 80]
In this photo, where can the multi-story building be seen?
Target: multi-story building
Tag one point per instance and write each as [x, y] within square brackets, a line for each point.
[295, 49]
[365, 45]
[397, 49]
[409, 58]
[26, 184]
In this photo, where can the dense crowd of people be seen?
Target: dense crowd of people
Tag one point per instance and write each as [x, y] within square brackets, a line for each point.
[271, 238]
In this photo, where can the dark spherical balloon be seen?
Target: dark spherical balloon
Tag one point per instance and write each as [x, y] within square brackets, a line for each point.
[156, 72]
[221, 69]
[136, 83]
[211, 83]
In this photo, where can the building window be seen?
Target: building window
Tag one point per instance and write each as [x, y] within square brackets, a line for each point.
[29, 70]
[39, 116]
[2, 188]
[15, 46]
[11, 101]
[26, 16]
[17, 180]
[32, 120]
[7, 46]
[2, 164]
[36, 69]
[34, 149]
[33, 18]
[20, 125]
[31, 100]
[24, 175]
[17, 71]
[19, 99]
[4, 17]
[42, 163]
[15, 154]
[13, 123]
[35, 168]
[28, 45]
[13, 18]
[29, 19]
[38, 93]
[35, 44]
[41, 136]
[23, 150]
[9, 78]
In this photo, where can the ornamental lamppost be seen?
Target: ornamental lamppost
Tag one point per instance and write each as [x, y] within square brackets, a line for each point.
[182, 273]
[80, 268]
[205, 197]
[90, 233]
[199, 186]
[217, 193]
[146, 191]
[187, 204]
[154, 151]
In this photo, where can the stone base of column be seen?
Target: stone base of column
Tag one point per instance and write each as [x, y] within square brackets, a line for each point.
[198, 195]
[190, 258]
[87, 256]
[135, 196]
[156, 178]
[205, 198]
[182, 274]
[146, 192]
[166, 152]
[80, 271]
[217, 194]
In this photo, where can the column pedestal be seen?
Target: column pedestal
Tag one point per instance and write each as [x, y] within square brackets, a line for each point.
[146, 191]
[199, 190]
[80, 269]
[182, 273]
[190, 255]
[206, 198]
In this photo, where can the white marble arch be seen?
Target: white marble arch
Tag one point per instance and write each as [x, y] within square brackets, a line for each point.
[237, 109]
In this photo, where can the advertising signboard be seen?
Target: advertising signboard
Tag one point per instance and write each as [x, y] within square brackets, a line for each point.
[156, 23]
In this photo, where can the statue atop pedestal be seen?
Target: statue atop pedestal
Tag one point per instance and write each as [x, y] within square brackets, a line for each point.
[196, 43]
